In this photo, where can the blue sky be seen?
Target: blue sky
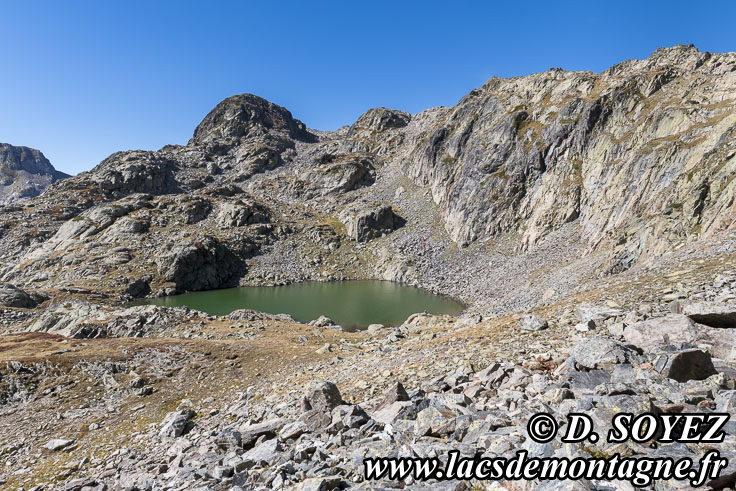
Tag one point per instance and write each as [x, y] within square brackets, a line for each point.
[82, 79]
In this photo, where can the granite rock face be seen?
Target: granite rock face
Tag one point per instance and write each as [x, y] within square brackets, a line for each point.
[199, 265]
[638, 154]
[369, 223]
[24, 173]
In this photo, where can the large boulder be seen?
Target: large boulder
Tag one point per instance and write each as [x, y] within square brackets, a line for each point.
[533, 323]
[598, 352]
[364, 224]
[678, 330]
[66, 319]
[12, 296]
[713, 314]
[239, 214]
[265, 453]
[670, 329]
[322, 396]
[176, 423]
[58, 444]
[199, 264]
[596, 313]
[691, 364]
[253, 432]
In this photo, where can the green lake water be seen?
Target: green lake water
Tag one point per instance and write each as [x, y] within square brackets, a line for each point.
[351, 304]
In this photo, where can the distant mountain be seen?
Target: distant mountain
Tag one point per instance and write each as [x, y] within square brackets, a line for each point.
[24, 173]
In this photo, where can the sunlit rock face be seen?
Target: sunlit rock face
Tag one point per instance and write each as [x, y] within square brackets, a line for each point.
[24, 173]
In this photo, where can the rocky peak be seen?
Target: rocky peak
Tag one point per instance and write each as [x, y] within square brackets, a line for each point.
[683, 58]
[247, 115]
[380, 119]
[24, 173]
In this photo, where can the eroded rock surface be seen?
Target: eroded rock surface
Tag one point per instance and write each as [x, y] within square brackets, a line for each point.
[24, 173]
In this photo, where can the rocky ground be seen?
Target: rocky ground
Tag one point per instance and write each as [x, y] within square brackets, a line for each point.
[585, 219]
[188, 401]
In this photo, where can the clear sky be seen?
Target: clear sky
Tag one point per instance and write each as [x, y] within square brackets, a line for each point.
[82, 79]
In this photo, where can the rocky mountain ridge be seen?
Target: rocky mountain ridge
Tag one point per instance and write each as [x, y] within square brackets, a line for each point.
[628, 164]
[24, 173]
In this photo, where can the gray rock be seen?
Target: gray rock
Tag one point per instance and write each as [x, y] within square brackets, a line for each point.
[670, 329]
[251, 433]
[726, 402]
[322, 396]
[585, 326]
[436, 421]
[598, 352]
[713, 314]
[596, 313]
[533, 323]
[375, 328]
[692, 364]
[589, 379]
[11, 296]
[395, 411]
[322, 321]
[228, 439]
[293, 430]
[316, 420]
[58, 444]
[222, 472]
[349, 416]
[266, 453]
[319, 484]
[395, 393]
[200, 264]
[364, 224]
[240, 214]
[338, 175]
[176, 423]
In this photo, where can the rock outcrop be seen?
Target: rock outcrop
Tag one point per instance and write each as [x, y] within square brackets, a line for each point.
[24, 173]
[366, 223]
[11, 296]
[200, 264]
[335, 175]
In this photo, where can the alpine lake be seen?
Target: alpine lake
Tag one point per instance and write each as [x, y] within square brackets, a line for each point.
[351, 304]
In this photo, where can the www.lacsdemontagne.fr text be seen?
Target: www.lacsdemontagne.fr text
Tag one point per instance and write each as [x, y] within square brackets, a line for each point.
[639, 470]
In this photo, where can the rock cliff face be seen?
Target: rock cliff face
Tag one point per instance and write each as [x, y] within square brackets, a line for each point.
[620, 166]
[24, 173]
[642, 155]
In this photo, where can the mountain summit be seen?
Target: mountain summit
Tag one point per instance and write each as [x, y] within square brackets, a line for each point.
[24, 173]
